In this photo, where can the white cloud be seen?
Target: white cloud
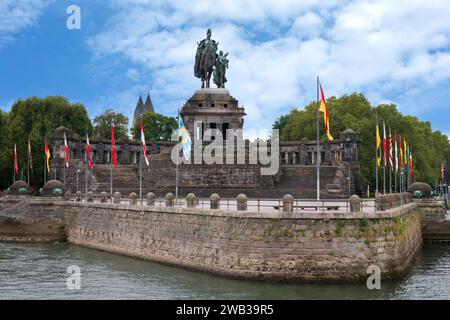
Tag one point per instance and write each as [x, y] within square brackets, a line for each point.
[277, 48]
[16, 15]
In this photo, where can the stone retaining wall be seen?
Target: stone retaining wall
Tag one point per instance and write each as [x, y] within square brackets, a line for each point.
[297, 247]
[276, 246]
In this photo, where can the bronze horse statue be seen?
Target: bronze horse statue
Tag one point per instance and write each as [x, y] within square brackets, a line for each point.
[205, 59]
[209, 61]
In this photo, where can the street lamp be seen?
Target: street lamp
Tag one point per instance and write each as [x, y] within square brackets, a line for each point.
[348, 179]
[78, 171]
[401, 181]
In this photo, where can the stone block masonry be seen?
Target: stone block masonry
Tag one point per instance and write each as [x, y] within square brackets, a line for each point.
[295, 247]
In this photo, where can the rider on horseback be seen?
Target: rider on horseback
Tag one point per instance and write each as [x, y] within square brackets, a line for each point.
[205, 58]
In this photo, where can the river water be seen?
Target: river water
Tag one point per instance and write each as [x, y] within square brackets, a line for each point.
[39, 271]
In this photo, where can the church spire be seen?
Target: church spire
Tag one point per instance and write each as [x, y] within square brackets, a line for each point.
[139, 110]
[148, 104]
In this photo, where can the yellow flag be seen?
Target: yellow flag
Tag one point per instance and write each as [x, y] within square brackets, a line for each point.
[47, 153]
[404, 148]
[378, 147]
[323, 108]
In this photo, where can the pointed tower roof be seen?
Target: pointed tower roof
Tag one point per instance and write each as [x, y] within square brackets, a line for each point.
[139, 110]
[149, 104]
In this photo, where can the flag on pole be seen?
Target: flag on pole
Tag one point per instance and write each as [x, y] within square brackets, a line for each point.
[47, 156]
[185, 139]
[405, 154]
[411, 173]
[66, 151]
[323, 108]
[378, 147]
[384, 145]
[88, 152]
[144, 145]
[401, 153]
[442, 171]
[16, 165]
[391, 160]
[113, 146]
[30, 159]
[396, 152]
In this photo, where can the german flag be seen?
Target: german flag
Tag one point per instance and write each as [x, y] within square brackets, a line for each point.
[323, 108]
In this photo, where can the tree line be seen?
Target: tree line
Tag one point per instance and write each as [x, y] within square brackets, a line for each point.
[354, 111]
[34, 119]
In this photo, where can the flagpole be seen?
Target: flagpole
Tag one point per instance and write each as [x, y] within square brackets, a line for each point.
[176, 174]
[87, 168]
[14, 164]
[376, 155]
[64, 176]
[318, 143]
[111, 176]
[140, 169]
[45, 163]
[28, 165]
[111, 161]
[140, 178]
[390, 161]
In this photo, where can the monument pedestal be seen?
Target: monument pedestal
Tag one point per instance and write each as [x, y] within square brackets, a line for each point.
[212, 108]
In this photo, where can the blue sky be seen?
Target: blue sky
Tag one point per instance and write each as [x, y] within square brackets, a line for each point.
[392, 51]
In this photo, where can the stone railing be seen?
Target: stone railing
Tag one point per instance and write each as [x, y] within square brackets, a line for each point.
[388, 201]
[240, 203]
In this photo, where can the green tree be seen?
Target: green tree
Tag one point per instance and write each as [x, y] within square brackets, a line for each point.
[6, 151]
[34, 119]
[103, 122]
[355, 111]
[157, 127]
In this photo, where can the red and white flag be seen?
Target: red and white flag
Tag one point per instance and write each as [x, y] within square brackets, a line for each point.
[16, 166]
[391, 159]
[144, 145]
[396, 152]
[88, 153]
[113, 146]
[66, 151]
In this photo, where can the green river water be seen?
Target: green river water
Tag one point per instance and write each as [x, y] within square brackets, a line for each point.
[38, 271]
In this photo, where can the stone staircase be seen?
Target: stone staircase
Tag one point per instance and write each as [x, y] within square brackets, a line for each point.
[300, 181]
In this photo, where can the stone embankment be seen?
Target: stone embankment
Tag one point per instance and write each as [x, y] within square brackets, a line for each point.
[301, 246]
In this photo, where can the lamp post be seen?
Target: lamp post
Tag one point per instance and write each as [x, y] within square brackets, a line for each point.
[78, 171]
[349, 183]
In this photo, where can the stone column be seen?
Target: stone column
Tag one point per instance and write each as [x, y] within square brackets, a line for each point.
[288, 203]
[133, 199]
[355, 204]
[151, 199]
[103, 197]
[169, 199]
[90, 196]
[286, 157]
[241, 202]
[117, 197]
[190, 200]
[214, 201]
[78, 196]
